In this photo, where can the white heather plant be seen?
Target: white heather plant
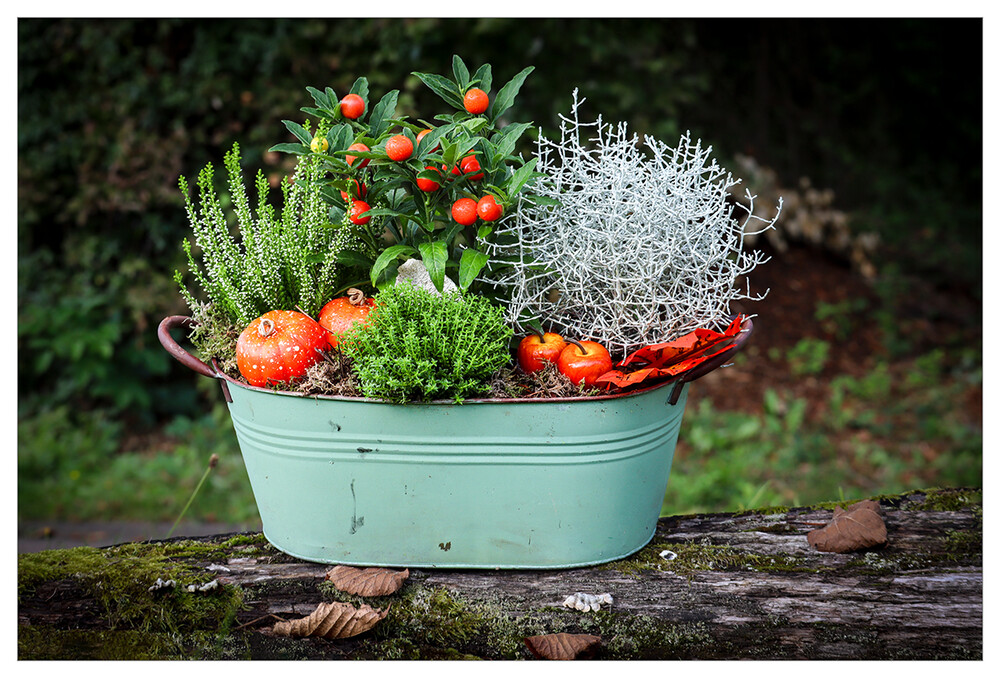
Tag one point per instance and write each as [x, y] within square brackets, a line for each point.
[281, 260]
[629, 246]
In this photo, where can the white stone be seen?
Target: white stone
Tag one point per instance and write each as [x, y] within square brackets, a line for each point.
[414, 272]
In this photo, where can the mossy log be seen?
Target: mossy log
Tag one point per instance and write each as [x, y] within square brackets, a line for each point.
[742, 586]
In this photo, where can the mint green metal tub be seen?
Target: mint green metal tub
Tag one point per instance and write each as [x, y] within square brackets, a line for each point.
[485, 484]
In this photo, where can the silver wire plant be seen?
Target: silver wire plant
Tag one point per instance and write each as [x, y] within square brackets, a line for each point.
[630, 244]
[281, 260]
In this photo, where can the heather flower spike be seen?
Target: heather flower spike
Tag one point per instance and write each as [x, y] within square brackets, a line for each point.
[630, 244]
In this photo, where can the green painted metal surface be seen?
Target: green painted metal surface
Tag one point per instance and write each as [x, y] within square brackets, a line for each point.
[485, 484]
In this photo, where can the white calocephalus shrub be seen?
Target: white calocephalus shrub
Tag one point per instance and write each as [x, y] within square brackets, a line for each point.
[630, 245]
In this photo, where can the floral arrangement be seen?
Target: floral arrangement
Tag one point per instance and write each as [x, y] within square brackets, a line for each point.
[406, 254]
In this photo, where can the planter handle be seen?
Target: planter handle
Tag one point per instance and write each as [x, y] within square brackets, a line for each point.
[174, 349]
[746, 329]
[182, 356]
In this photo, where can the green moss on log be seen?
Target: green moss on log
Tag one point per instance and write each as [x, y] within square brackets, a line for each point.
[102, 644]
[960, 544]
[692, 557]
[950, 499]
[144, 623]
[425, 622]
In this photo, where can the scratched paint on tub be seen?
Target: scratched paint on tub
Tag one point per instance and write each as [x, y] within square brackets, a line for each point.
[356, 520]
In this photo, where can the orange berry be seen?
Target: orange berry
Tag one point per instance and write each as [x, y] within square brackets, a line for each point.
[470, 165]
[351, 158]
[488, 209]
[464, 211]
[476, 101]
[359, 207]
[399, 148]
[421, 134]
[352, 106]
[358, 189]
[426, 185]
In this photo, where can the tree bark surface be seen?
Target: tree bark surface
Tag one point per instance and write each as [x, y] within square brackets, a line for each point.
[717, 586]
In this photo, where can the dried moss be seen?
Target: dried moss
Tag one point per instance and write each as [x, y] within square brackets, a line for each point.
[214, 335]
[330, 376]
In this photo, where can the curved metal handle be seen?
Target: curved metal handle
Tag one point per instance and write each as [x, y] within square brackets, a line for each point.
[174, 349]
[746, 329]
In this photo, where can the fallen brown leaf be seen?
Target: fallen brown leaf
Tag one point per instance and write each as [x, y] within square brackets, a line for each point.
[859, 527]
[332, 620]
[563, 645]
[371, 581]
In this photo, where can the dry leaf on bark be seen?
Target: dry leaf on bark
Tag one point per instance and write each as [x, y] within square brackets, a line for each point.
[563, 645]
[331, 621]
[859, 527]
[370, 581]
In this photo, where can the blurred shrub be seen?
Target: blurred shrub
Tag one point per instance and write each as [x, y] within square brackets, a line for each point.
[74, 473]
[808, 356]
[899, 427]
[840, 318]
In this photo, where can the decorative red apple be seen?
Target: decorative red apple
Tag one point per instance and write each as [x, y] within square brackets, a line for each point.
[537, 349]
[584, 361]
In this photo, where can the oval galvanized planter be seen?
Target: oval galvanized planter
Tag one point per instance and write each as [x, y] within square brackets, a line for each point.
[528, 484]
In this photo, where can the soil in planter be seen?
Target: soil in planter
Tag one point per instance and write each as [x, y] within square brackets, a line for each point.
[333, 376]
[548, 382]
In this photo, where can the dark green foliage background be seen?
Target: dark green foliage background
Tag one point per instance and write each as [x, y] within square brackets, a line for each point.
[111, 112]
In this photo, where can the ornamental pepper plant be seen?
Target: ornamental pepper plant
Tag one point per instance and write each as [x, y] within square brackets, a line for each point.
[423, 179]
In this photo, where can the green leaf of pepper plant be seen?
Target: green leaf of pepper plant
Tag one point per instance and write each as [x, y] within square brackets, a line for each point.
[382, 113]
[388, 256]
[443, 87]
[435, 257]
[469, 266]
[299, 131]
[505, 97]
